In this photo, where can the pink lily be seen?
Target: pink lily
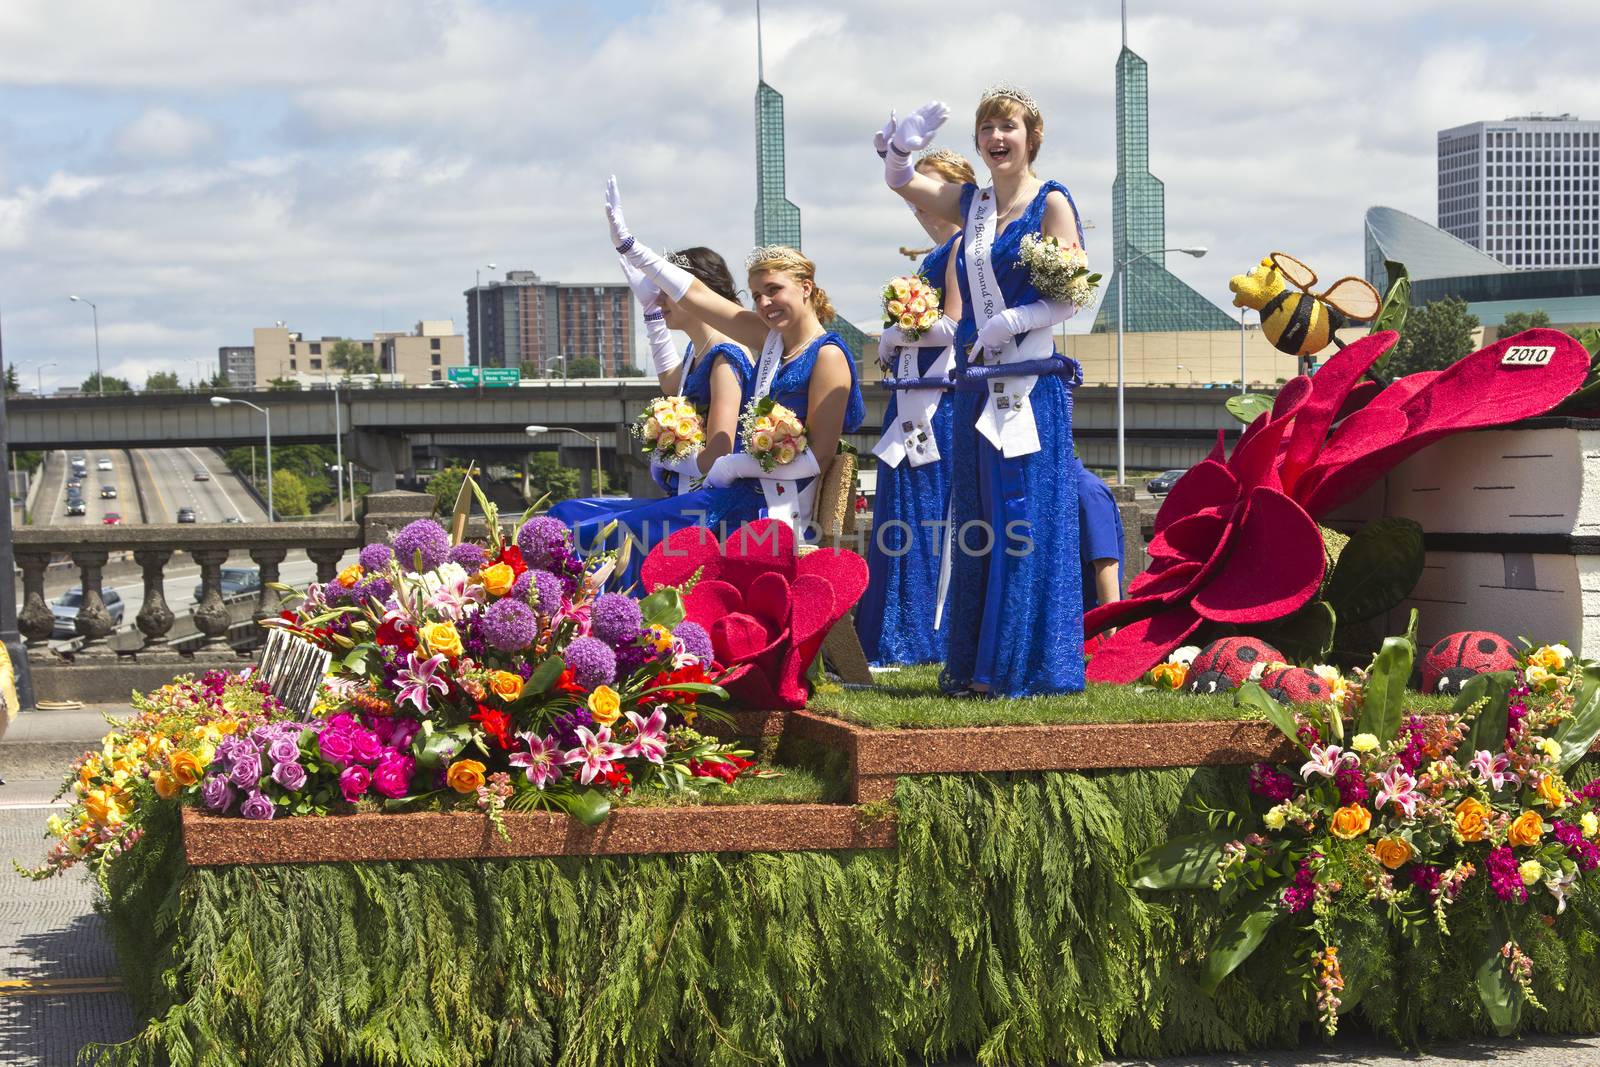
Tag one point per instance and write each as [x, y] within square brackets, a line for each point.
[1400, 788]
[649, 739]
[1494, 770]
[1324, 761]
[541, 763]
[452, 598]
[417, 677]
[596, 752]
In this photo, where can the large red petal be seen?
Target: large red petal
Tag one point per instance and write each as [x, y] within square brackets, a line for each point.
[842, 569]
[757, 548]
[674, 560]
[739, 638]
[1208, 484]
[813, 608]
[1254, 461]
[1166, 584]
[768, 599]
[1275, 563]
[1329, 390]
[1192, 537]
[1120, 613]
[1134, 649]
[710, 600]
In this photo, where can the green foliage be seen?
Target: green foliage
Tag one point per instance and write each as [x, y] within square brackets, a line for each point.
[12, 385]
[583, 367]
[162, 381]
[289, 495]
[1517, 321]
[1242, 933]
[1251, 695]
[1307, 635]
[1396, 307]
[1435, 336]
[1493, 693]
[444, 487]
[309, 463]
[283, 385]
[1385, 695]
[1578, 733]
[1501, 996]
[547, 477]
[113, 384]
[1247, 407]
[1185, 862]
[352, 358]
[628, 370]
[1377, 568]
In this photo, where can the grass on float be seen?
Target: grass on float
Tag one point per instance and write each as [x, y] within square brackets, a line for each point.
[909, 698]
[792, 785]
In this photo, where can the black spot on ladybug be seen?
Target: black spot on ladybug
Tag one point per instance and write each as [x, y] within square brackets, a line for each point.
[1452, 680]
[1487, 645]
[1314, 688]
[1248, 654]
[1444, 643]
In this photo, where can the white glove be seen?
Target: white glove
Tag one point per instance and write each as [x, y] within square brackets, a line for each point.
[939, 334]
[911, 134]
[663, 352]
[1012, 321]
[889, 345]
[647, 292]
[685, 467]
[674, 281]
[736, 465]
[880, 140]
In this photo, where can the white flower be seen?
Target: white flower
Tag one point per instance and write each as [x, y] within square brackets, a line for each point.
[1564, 652]
[1184, 655]
[1327, 674]
[1364, 742]
[1275, 818]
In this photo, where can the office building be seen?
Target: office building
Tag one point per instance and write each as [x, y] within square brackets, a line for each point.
[426, 354]
[238, 364]
[540, 326]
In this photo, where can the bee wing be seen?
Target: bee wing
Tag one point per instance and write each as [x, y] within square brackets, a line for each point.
[1295, 271]
[1354, 298]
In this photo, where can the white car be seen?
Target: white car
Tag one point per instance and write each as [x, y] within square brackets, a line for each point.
[104, 464]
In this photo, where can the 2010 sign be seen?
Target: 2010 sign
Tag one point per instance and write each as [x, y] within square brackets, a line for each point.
[1527, 356]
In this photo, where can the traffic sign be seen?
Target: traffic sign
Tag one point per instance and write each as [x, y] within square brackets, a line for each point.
[501, 376]
[464, 375]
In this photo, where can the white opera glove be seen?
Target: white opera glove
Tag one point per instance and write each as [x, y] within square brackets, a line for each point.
[736, 465]
[911, 134]
[880, 140]
[683, 467]
[889, 344]
[1012, 321]
[647, 292]
[674, 281]
[938, 335]
[663, 352]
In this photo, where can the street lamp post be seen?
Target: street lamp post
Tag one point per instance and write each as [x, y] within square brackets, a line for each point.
[477, 313]
[39, 372]
[1187, 371]
[1122, 287]
[539, 431]
[220, 401]
[338, 451]
[99, 376]
[1242, 387]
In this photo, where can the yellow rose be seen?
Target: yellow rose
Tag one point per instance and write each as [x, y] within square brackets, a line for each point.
[1169, 675]
[497, 578]
[1531, 871]
[350, 575]
[786, 453]
[686, 428]
[1472, 820]
[1393, 852]
[465, 775]
[917, 306]
[902, 288]
[1550, 791]
[896, 308]
[506, 686]
[761, 441]
[667, 439]
[605, 705]
[1538, 677]
[187, 768]
[104, 807]
[1590, 823]
[1550, 657]
[660, 637]
[442, 637]
[1525, 830]
[908, 321]
[1550, 747]
[166, 785]
[1350, 821]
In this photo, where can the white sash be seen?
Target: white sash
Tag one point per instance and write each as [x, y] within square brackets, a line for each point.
[1007, 417]
[786, 501]
[910, 435]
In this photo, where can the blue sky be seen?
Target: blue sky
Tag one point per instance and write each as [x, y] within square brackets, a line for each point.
[343, 165]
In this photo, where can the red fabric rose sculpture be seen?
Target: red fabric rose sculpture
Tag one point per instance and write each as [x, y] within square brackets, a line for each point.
[1236, 540]
[767, 608]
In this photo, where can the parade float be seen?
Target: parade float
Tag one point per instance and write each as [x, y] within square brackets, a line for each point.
[472, 810]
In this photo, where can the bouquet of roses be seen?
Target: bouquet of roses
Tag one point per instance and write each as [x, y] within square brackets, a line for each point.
[911, 304]
[1059, 272]
[670, 428]
[1405, 820]
[772, 433]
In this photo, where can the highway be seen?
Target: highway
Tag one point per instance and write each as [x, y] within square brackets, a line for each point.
[50, 509]
[168, 475]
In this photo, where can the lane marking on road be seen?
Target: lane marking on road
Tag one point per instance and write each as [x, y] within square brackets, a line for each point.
[144, 458]
[198, 463]
[41, 987]
[41, 807]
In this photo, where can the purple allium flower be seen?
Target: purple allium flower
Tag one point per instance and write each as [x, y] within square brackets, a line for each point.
[616, 619]
[564, 732]
[257, 806]
[592, 662]
[375, 588]
[509, 625]
[246, 770]
[375, 557]
[1266, 781]
[217, 794]
[283, 750]
[695, 641]
[290, 775]
[393, 775]
[469, 555]
[547, 592]
[353, 782]
[424, 536]
[543, 540]
[1504, 878]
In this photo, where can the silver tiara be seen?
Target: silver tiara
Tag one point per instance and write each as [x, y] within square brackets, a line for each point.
[771, 253]
[1010, 92]
[949, 154]
[678, 259]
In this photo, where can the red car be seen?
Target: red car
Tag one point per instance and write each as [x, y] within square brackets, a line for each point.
[112, 519]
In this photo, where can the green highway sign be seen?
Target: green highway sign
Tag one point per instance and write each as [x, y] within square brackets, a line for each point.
[493, 377]
[464, 375]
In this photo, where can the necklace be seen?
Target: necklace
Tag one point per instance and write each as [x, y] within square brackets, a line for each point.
[1000, 219]
[787, 356]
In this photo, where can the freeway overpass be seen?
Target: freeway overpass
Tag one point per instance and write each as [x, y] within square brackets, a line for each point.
[1167, 426]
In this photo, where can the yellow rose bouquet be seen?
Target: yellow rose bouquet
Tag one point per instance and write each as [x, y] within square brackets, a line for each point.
[670, 427]
[772, 433]
[1060, 272]
[913, 305]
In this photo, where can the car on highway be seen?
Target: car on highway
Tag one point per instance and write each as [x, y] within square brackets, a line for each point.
[104, 464]
[74, 484]
[76, 506]
[64, 610]
[186, 515]
[113, 518]
[108, 492]
[232, 519]
[202, 475]
[1162, 483]
[235, 581]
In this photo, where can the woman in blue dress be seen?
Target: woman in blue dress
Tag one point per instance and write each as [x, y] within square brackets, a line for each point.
[715, 374]
[1015, 597]
[912, 499]
[803, 366]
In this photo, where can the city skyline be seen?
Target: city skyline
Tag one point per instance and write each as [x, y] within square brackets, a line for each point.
[348, 167]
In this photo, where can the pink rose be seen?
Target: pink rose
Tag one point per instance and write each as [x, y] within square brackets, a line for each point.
[353, 783]
[393, 776]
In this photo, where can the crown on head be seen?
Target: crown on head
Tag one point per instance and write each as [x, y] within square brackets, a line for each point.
[948, 154]
[1010, 92]
[773, 254]
[678, 259]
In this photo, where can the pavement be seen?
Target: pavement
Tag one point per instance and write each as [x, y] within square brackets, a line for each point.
[60, 984]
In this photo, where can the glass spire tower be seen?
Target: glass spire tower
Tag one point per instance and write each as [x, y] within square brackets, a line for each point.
[1156, 300]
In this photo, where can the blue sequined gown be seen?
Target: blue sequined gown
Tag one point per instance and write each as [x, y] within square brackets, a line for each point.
[1015, 612]
[895, 617]
[726, 508]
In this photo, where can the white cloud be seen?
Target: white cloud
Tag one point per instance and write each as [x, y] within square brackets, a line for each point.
[160, 133]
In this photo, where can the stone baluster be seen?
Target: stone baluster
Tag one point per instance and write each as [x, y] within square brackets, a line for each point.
[268, 603]
[94, 621]
[211, 615]
[327, 558]
[35, 620]
[155, 618]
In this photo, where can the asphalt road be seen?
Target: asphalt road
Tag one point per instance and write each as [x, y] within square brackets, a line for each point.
[50, 508]
[168, 475]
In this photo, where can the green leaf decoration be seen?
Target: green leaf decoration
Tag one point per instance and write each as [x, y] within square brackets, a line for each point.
[1385, 694]
[491, 515]
[1186, 862]
[1501, 996]
[1488, 730]
[1241, 934]
[1392, 315]
[664, 607]
[588, 806]
[1305, 635]
[544, 676]
[1377, 569]
[1578, 733]
[1247, 407]
[1251, 695]
[434, 750]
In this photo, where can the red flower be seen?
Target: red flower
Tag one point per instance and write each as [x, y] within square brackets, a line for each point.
[511, 556]
[617, 778]
[568, 683]
[495, 723]
[726, 769]
[666, 679]
[398, 633]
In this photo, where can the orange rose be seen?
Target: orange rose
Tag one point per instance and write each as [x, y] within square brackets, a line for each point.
[350, 575]
[1550, 790]
[1350, 821]
[1472, 820]
[506, 686]
[187, 768]
[1393, 852]
[498, 578]
[1525, 830]
[1169, 675]
[166, 785]
[465, 775]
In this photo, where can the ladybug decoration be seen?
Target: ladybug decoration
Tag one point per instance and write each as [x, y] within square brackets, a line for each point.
[1235, 657]
[1295, 685]
[1204, 683]
[1454, 659]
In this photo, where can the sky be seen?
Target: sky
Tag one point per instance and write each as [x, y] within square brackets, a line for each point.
[343, 166]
